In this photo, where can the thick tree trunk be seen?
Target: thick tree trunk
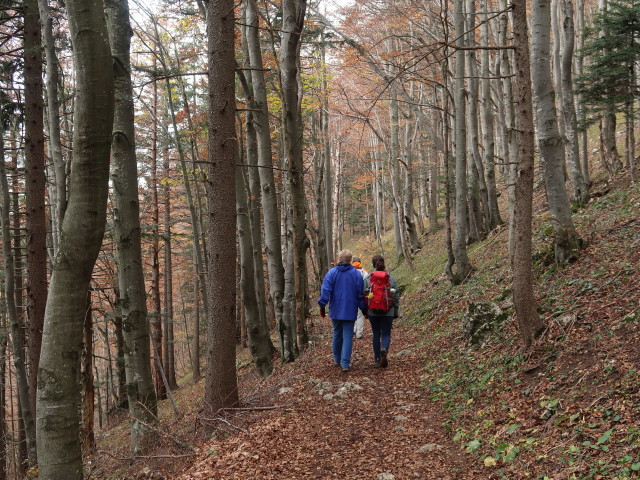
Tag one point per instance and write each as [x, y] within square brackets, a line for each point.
[3, 400]
[529, 321]
[59, 453]
[394, 167]
[550, 142]
[580, 191]
[133, 301]
[221, 385]
[35, 193]
[293, 13]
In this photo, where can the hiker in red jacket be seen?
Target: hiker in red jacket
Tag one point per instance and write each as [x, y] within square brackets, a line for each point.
[382, 298]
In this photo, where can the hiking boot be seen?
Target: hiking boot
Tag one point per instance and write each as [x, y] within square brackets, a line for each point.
[376, 363]
[383, 358]
[346, 369]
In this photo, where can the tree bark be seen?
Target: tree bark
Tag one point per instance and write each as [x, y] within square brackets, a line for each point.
[293, 13]
[155, 322]
[580, 191]
[529, 321]
[488, 136]
[257, 334]
[221, 388]
[35, 193]
[59, 453]
[463, 265]
[550, 142]
[53, 122]
[17, 339]
[133, 301]
[87, 437]
[271, 213]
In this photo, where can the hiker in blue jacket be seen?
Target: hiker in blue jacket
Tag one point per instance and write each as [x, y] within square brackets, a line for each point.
[342, 290]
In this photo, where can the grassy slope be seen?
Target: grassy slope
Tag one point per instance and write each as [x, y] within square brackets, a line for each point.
[570, 408]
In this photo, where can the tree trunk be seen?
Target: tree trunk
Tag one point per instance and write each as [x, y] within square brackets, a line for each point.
[3, 399]
[123, 401]
[394, 167]
[488, 137]
[580, 192]
[529, 321]
[257, 334]
[53, 122]
[293, 12]
[326, 156]
[17, 339]
[87, 437]
[35, 193]
[463, 268]
[221, 385]
[59, 453]
[272, 229]
[133, 301]
[169, 343]
[155, 322]
[550, 142]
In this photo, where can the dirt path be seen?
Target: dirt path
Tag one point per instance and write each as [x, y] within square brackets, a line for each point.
[369, 423]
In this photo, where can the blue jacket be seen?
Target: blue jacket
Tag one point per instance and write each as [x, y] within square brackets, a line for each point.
[342, 290]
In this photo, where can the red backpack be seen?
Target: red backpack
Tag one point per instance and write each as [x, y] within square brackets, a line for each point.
[379, 299]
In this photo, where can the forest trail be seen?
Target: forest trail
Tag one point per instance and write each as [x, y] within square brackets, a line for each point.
[369, 423]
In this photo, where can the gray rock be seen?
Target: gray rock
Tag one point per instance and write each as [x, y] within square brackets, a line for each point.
[328, 396]
[404, 353]
[429, 447]
[400, 418]
[284, 390]
[386, 476]
[480, 319]
[400, 428]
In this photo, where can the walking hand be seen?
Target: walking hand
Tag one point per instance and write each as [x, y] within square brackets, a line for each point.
[382, 299]
[359, 327]
[342, 290]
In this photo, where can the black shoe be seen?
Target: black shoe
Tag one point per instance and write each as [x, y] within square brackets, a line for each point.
[383, 358]
[376, 363]
[346, 369]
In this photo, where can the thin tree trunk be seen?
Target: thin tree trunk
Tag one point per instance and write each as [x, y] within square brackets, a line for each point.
[168, 320]
[87, 437]
[155, 322]
[133, 301]
[257, 334]
[3, 399]
[17, 339]
[580, 192]
[529, 321]
[59, 453]
[53, 122]
[221, 387]
[326, 156]
[488, 136]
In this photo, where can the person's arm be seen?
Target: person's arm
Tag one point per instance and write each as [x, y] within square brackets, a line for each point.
[396, 296]
[325, 292]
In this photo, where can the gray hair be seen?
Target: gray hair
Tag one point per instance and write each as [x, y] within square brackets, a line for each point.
[345, 256]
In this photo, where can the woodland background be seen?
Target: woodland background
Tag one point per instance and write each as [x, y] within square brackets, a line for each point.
[178, 177]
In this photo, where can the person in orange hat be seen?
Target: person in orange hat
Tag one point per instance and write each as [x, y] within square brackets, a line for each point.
[359, 327]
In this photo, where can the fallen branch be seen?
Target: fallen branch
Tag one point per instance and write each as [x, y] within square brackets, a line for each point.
[144, 457]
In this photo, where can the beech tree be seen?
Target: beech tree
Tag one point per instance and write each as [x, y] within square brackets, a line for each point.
[137, 354]
[57, 425]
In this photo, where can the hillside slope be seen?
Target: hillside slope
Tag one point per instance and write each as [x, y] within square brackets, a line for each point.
[568, 409]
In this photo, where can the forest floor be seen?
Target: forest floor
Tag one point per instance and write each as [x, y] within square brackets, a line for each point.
[567, 409]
